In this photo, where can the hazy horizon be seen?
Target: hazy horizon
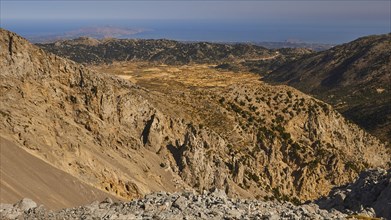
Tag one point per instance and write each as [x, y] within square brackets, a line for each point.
[237, 21]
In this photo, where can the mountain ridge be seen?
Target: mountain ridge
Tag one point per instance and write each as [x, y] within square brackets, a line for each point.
[177, 133]
[353, 77]
[159, 51]
[98, 32]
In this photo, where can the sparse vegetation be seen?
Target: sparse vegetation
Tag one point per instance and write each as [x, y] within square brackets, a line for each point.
[206, 127]
[357, 91]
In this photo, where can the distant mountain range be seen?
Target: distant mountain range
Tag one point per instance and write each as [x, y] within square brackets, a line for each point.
[237, 57]
[290, 44]
[354, 77]
[98, 32]
[90, 50]
[102, 32]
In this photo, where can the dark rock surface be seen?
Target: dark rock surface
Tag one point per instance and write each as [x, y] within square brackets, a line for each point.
[370, 194]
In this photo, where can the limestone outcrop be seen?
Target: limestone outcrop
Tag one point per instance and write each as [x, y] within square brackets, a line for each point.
[249, 139]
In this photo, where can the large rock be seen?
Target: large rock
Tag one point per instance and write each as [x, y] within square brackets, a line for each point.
[370, 194]
[26, 204]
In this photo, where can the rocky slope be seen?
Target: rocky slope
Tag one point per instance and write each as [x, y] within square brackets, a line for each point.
[370, 194]
[187, 205]
[354, 77]
[181, 131]
[366, 198]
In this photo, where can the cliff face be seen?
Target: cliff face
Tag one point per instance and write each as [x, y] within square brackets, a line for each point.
[245, 137]
[84, 123]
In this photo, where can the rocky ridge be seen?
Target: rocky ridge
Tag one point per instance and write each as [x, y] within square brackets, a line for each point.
[264, 66]
[293, 44]
[233, 57]
[248, 138]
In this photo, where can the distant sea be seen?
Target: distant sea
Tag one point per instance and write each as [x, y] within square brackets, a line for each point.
[205, 30]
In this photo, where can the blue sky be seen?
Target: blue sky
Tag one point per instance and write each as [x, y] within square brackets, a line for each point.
[310, 20]
[369, 11]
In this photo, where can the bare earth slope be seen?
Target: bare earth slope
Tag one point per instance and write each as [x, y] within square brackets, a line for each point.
[354, 77]
[177, 129]
[23, 175]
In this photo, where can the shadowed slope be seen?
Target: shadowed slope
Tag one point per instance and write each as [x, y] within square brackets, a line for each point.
[354, 77]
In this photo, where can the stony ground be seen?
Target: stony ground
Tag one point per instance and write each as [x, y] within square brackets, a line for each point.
[370, 194]
[368, 197]
[186, 205]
